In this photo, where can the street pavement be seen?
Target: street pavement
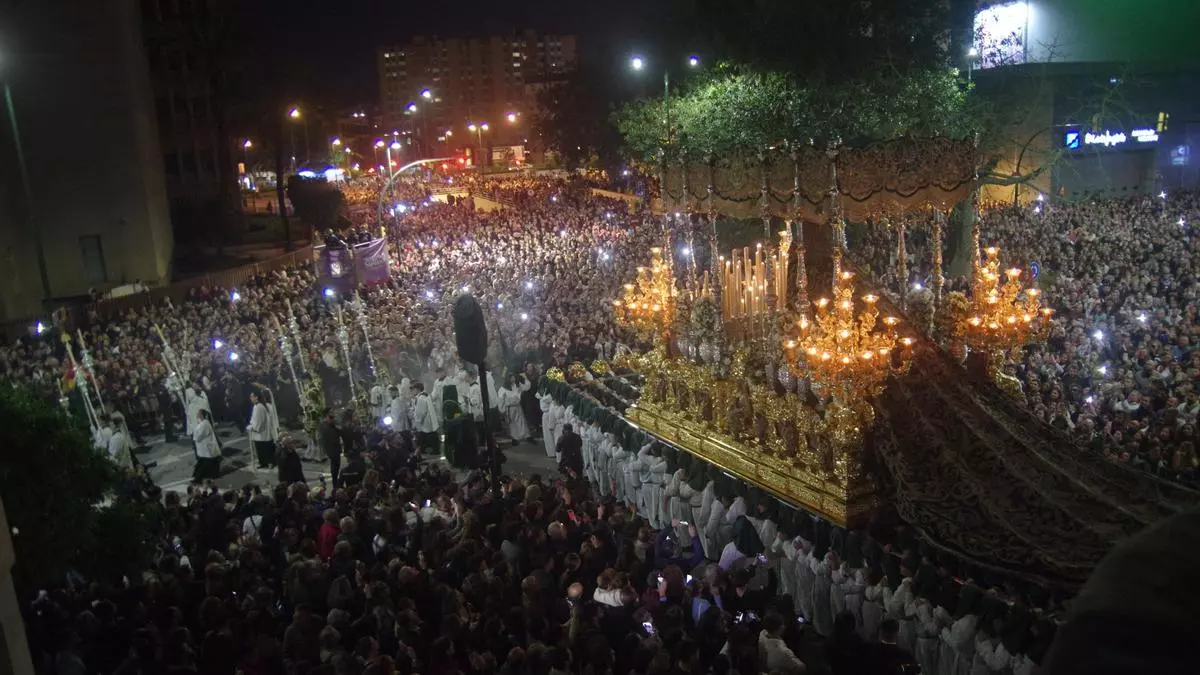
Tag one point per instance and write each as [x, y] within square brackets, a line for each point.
[175, 461]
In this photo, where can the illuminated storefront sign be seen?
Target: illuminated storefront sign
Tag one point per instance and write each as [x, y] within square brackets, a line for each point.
[1074, 139]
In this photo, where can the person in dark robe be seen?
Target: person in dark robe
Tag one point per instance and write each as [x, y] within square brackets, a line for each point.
[290, 468]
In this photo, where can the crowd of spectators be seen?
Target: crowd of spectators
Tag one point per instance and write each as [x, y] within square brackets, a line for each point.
[404, 567]
[1116, 370]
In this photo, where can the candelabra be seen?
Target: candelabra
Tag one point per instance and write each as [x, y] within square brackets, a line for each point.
[343, 336]
[648, 306]
[285, 347]
[1002, 314]
[842, 351]
[294, 326]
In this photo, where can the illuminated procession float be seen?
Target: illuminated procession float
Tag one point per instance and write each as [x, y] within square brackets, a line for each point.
[846, 392]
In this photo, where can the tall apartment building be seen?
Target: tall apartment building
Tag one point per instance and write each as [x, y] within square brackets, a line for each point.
[188, 44]
[83, 201]
[470, 80]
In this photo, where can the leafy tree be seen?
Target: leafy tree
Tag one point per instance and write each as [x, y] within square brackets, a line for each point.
[316, 201]
[51, 480]
[743, 108]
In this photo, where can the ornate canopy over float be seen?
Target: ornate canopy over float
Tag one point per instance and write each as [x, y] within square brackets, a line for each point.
[780, 365]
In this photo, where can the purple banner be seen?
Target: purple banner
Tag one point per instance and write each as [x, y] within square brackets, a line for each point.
[343, 270]
[371, 260]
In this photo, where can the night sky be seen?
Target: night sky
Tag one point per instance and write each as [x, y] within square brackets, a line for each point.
[324, 50]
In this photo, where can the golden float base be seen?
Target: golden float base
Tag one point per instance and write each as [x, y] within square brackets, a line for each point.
[843, 505]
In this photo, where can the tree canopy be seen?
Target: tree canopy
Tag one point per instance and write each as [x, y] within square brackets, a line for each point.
[53, 482]
[741, 108]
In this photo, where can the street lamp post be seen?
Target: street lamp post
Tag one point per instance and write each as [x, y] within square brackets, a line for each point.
[972, 54]
[378, 144]
[638, 63]
[478, 129]
[295, 116]
[394, 146]
[334, 145]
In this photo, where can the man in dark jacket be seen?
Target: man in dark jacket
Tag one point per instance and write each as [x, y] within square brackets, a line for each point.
[330, 439]
[570, 451]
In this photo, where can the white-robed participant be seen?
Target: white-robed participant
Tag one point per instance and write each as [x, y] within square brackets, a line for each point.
[510, 407]
[208, 449]
[398, 411]
[196, 400]
[120, 448]
[379, 401]
[103, 434]
[548, 421]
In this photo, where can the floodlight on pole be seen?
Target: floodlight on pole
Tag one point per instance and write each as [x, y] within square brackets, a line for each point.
[336, 142]
[693, 60]
[294, 113]
[412, 107]
[247, 145]
[379, 144]
[512, 117]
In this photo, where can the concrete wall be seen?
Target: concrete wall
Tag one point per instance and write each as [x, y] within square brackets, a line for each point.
[84, 107]
[14, 650]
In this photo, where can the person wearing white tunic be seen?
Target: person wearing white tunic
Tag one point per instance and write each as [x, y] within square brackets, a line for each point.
[616, 471]
[103, 434]
[805, 579]
[990, 655]
[872, 609]
[119, 447]
[897, 607]
[822, 618]
[633, 479]
[208, 450]
[398, 410]
[853, 588]
[783, 549]
[707, 497]
[510, 408]
[654, 484]
[435, 395]
[958, 641]
[712, 528]
[927, 636]
[548, 412]
[604, 455]
[196, 400]
[379, 401]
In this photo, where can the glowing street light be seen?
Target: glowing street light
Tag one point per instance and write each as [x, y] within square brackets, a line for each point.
[233, 356]
[329, 293]
[693, 60]
[217, 344]
[637, 63]
[471, 127]
[336, 142]
[426, 94]
[395, 145]
[483, 127]
[294, 113]
[412, 107]
[512, 118]
[972, 52]
[380, 144]
[247, 145]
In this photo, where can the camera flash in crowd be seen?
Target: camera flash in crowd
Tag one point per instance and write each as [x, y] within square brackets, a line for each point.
[217, 344]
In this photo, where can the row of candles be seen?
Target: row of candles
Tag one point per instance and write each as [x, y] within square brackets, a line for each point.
[744, 282]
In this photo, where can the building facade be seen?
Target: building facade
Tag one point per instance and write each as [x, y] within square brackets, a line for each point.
[188, 46]
[1109, 95]
[478, 81]
[83, 198]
